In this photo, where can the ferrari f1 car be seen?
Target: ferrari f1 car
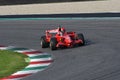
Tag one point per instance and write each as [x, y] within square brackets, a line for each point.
[59, 38]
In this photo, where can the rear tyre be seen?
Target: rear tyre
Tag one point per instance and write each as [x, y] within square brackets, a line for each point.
[43, 42]
[80, 36]
[53, 43]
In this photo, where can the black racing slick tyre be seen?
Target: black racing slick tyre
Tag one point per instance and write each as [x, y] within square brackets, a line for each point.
[53, 43]
[80, 36]
[43, 42]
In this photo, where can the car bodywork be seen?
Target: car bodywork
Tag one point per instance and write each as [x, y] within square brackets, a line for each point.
[54, 39]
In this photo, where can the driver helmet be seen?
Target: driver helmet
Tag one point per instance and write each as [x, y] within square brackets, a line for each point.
[63, 30]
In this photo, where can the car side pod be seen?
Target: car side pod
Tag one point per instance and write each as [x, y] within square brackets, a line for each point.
[60, 45]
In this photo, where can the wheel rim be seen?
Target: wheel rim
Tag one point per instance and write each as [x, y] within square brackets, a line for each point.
[50, 45]
[41, 43]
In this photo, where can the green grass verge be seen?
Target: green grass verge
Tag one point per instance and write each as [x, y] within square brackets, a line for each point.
[11, 62]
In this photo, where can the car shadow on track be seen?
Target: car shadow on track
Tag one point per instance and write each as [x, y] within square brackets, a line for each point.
[87, 43]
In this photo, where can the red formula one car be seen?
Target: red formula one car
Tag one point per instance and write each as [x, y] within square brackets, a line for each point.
[59, 38]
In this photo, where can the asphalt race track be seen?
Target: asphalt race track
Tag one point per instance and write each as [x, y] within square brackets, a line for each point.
[99, 59]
